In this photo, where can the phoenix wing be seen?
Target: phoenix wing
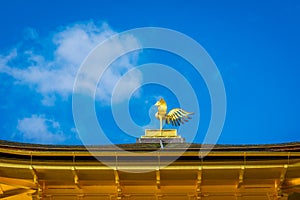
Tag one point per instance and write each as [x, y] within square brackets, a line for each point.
[177, 116]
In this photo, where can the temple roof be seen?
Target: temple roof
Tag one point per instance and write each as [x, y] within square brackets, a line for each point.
[147, 171]
[288, 147]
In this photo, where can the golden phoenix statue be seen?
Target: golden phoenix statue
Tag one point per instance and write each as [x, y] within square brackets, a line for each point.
[175, 117]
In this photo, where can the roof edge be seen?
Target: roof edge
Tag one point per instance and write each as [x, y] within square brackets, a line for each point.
[290, 146]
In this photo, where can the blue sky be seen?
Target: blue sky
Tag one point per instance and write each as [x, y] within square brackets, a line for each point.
[254, 44]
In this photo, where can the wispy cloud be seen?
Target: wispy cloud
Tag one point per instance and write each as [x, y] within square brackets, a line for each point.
[51, 69]
[40, 130]
[48, 64]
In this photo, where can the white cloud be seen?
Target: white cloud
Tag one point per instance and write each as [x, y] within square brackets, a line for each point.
[40, 130]
[75, 42]
[52, 70]
[30, 34]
